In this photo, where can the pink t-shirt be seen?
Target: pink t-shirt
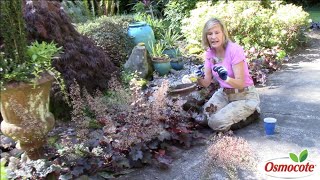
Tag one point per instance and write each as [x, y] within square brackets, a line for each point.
[234, 54]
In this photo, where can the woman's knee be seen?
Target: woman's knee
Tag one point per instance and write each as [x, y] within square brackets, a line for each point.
[218, 124]
[215, 103]
[252, 104]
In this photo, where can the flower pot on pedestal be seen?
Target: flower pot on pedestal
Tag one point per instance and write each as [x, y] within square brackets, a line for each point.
[26, 116]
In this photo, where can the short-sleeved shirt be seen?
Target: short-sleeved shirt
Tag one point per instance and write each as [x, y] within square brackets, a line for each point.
[234, 54]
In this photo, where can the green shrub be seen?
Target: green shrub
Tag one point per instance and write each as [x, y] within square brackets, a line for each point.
[267, 34]
[132, 78]
[314, 13]
[304, 3]
[19, 62]
[110, 33]
[176, 10]
[158, 25]
[152, 8]
[290, 21]
[170, 38]
[13, 37]
[3, 172]
[77, 10]
[250, 24]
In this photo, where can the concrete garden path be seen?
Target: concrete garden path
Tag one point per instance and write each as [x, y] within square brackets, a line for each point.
[292, 96]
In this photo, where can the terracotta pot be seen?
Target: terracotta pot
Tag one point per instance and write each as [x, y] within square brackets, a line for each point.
[26, 116]
[182, 89]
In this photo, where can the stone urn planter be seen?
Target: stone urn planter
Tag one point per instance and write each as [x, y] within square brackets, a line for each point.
[26, 116]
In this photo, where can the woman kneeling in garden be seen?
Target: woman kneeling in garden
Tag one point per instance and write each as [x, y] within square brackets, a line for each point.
[225, 60]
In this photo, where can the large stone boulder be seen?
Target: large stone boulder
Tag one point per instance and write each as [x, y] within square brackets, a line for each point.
[140, 61]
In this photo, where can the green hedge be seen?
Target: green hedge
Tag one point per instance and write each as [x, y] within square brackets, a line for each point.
[176, 10]
[78, 11]
[110, 33]
[250, 24]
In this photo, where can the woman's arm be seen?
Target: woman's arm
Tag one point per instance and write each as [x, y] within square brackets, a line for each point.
[238, 81]
[206, 81]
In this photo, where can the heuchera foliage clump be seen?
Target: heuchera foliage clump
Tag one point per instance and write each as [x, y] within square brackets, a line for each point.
[134, 128]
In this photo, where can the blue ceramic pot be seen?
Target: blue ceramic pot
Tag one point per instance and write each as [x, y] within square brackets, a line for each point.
[141, 32]
[177, 65]
[162, 66]
[172, 52]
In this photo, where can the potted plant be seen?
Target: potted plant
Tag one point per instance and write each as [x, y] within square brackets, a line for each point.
[177, 62]
[160, 61]
[26, 78]
[170, 38]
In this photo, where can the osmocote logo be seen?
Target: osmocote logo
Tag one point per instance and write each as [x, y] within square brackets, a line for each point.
[292, 167]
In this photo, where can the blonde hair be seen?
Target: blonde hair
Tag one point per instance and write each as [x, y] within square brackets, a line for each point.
[209, 24]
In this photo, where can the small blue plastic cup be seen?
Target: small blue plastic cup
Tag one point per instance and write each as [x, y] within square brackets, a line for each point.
[269, 125]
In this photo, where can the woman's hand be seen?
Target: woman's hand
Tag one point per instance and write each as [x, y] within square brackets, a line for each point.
[238, 70]
[222, 72]
[200, 73]
[205, 78]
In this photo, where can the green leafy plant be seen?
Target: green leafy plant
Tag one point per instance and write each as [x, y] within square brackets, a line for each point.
[77, 10]
[20, 62]
[147, 7]
[139, 7]
[128, 78]
[250, 24]
[267, 35]
[170, 38]
[158, 25]
[39, 56]
[110, 33]
[302, 157]
[12, 29]
[176, 10]
[157, 50]
[3, 173]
